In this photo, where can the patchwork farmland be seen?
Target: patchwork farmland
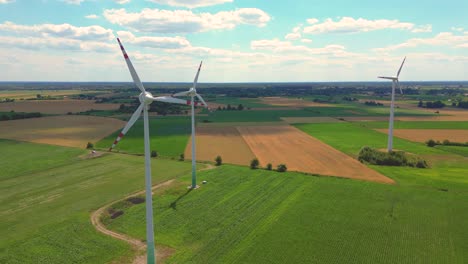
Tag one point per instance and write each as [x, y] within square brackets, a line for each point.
[55, 106]
[363, 214]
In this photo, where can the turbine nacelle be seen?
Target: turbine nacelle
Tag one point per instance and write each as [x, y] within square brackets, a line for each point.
[146, 98]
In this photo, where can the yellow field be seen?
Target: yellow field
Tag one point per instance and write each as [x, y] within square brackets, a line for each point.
[223, 141]
[301, 152]
[70, 131]
[423, 135]
[55, 106]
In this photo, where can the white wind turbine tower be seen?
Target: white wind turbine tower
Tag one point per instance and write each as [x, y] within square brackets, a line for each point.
[395, 82]
[146, 98]
[192, 92]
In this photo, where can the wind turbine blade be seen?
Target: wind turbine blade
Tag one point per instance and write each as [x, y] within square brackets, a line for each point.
[398, 74]
[130, 123]
[186, 93]
[195, 81]
[398, 83]
[135, 77]
[171, 100]
[201, 100]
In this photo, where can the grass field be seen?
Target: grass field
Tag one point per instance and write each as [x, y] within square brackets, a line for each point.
[46, 200]
[446, 169]
[27, 94]
[169, 137]
[245, 216]
[332, 111]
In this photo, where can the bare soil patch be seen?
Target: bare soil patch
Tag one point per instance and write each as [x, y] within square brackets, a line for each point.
[223, 141]
[291, 102]
[55, 106]
[423, 135]
[69, 131]
[302, 152]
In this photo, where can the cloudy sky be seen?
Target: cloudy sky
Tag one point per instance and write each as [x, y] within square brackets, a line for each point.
[238, 40]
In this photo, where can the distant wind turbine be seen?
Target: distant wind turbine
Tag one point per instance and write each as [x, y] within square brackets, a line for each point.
[146, 98]
[395, 82]
[192, 92]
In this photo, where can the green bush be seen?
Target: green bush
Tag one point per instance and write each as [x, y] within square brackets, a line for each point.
[254, 164]
[430, 143]
[89, 145]
[282, 168]
[219, 161]
[392, 158]
[182, 157]
[269, 166]
[154, 154]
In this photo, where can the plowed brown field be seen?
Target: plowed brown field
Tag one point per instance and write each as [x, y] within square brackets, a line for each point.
[423, 135]
[302, 152]
[223, 141]
[55, 106]
[291, 102]
[69, 131]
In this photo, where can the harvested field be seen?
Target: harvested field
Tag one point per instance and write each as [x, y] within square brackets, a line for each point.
[306, 120]
[423, 135]
[55, 106]
[69, 131]
[223, 141]
[291, 102]
[301, 152]
[444, 115]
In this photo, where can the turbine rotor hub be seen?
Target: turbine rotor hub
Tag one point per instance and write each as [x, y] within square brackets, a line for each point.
[146, 98]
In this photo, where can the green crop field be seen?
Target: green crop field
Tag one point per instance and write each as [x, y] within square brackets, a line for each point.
[169, 136]
[257, 216]
[419, 125]
[47, 194]
[446, 168]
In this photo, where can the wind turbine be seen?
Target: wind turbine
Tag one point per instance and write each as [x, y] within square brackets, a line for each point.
[192, 92]
[395, 82]
[146, 98]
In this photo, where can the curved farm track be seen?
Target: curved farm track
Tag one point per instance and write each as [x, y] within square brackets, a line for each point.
[138, 245]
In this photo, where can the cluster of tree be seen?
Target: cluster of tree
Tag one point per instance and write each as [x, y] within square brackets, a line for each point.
[373, 103]
[435, 104]
[392, 158]
[240, 107]
[433, 143]
[463, 104]
[85, 97]
[13, 116]
[158, 107]
[349, 98]
[6, 100]
[255, 164]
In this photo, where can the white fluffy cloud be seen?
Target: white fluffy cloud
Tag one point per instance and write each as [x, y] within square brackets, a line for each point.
[92, 16]
[441, 39]
[56, 36]
[191, 3]
[185, 21]
[351, 25]
[121, 2]
[58, 30]
[154, 42]
[287, 47]
[73, 2]
[295, 34]
[6, 1]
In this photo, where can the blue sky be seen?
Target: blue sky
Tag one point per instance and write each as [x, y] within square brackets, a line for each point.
[238, 40]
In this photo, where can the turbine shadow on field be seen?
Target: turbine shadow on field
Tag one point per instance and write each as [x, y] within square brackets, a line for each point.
[173, 205]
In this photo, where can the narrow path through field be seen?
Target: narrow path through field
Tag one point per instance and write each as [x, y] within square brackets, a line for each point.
[138, 245]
